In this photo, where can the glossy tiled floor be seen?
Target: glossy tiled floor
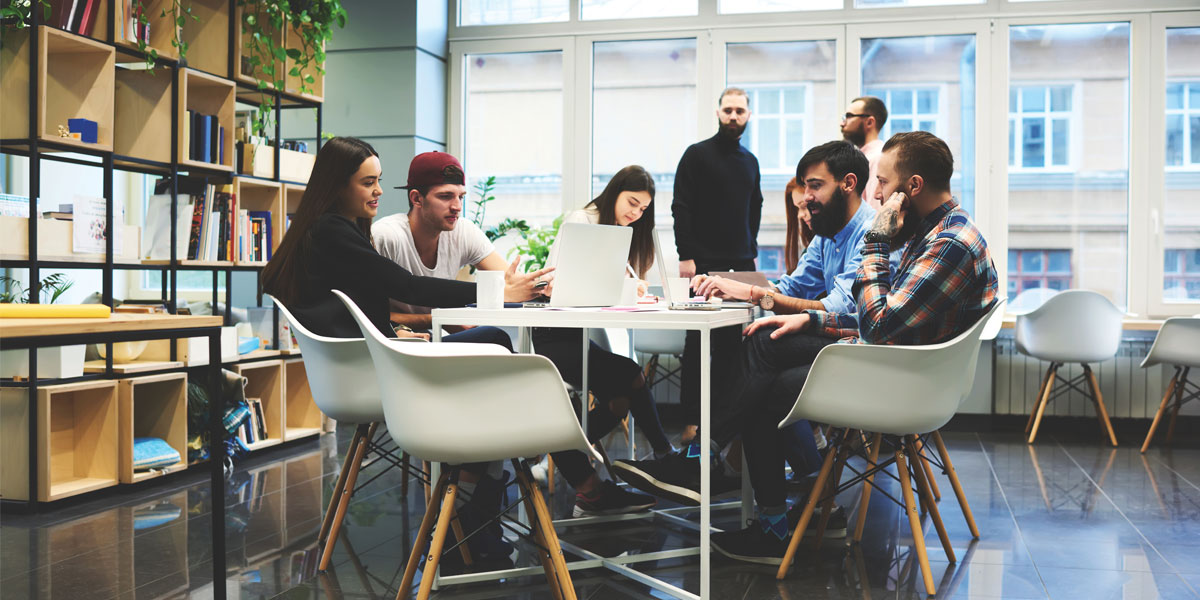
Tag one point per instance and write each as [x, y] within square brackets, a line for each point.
[1062, 519]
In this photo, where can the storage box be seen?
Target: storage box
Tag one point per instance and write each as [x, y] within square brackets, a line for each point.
[59, 362]
[193, 352]
[259, 161]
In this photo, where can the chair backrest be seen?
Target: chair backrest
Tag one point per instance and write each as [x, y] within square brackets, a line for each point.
[1177, 343]
[340, 373]
[995, 322]
[1074, 326]
[1030, 299]
[895, 390]
[659, 341]
[465, 402]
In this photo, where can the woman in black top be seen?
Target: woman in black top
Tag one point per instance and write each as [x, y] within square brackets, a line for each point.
[328, 247]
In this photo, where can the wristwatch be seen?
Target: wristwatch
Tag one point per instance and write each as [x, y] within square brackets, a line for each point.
[876, 237]
[767, 300]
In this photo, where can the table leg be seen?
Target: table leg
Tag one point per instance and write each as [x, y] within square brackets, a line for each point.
[583, 391]
[705, 461]
[216, 462]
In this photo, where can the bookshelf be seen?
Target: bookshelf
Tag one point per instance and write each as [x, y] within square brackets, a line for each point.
[49, 75]
[153, 406]
[302, 418]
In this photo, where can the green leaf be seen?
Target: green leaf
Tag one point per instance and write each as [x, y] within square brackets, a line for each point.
[279, 53]
[309, 79]
[294, 72]
[294, 53]
[252, 20]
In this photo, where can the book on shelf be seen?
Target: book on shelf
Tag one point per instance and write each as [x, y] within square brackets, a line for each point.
[257, 409]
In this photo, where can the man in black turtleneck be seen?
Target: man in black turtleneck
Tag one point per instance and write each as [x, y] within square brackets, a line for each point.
[717, 209]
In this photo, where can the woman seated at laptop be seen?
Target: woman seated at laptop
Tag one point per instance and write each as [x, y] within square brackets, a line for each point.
[616, 381]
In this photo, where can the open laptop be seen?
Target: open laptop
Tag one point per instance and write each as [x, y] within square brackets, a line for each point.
[590, 264]
[676, 303]
[755, 278]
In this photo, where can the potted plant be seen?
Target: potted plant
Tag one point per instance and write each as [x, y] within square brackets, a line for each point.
[58, 362]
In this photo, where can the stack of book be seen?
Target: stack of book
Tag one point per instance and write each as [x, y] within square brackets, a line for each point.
[213, 210]
[204, 137]
[76, 16]
[253, 429]
[254, 241]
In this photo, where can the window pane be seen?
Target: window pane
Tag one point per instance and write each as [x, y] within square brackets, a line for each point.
[879, 3]
[1058, 261]
[1012, 136]
[1031, 261]
[1034, 146]
[732, 7]
[1175, 140]
[639, 87]
[931, 84]
[1174, 95]
[490, 12]
[803, 70]
[636, 9]
[499, 89]
[1087, 206]
[768, 143]
[1012, 100]
[1181, 205]
[768, 102]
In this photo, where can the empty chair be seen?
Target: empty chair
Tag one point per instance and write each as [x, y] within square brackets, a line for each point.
[925, 385]
[1030, 299]
[1177, 345]
[341, 376]
[469, 403]
[1075, 326]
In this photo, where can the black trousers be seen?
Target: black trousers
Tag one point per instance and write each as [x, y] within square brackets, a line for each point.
[725, 347]
[609, 376]
[770, 377]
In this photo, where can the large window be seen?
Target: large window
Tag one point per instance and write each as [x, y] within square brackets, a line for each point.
[635, 9]
[502, 12]
[1181, 200]
[942, 103]
[513, 131]
[1029, 269]
[1085, 208]
[777, 137]
[1039, 126]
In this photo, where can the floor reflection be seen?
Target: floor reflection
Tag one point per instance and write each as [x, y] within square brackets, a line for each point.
[1059, 520]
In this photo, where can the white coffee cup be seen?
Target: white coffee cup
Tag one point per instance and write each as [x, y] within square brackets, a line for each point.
[681, 288]
[489, 289]
[629, 292]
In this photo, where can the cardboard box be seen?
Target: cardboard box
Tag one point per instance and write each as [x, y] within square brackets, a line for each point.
[259, 161]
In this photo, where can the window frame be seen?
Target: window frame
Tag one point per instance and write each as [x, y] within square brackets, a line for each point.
[1073, 120]
[939, 120]
[1045, 275]
[1186, 112]
[805, 118]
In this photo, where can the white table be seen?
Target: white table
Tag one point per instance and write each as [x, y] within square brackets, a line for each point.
[592, 318]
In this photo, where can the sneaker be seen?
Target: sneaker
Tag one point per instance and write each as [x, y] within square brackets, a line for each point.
[610, 499]
[819, 438]
[676, 478]
[751, 544]
[541, 471]
[835, 529]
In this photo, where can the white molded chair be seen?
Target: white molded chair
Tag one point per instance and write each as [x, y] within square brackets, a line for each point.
[341, 377]
[1074, 326]
[470, 403]
[1030, 299]
[925, 385]
[1178, 345]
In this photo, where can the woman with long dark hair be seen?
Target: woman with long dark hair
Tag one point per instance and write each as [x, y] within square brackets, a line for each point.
[799, 225]
[616, 381]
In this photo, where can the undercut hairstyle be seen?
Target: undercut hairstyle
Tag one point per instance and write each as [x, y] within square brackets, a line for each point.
[875, 107]
[736, 91]
[922, 153]
[841, 157]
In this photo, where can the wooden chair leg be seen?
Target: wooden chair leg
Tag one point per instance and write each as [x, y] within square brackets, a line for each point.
[954, 483]
[1099, 400]
[831, 486]
[347, 491]
[876, 441]
[806, 515]
[428, 497]
[336, 497]
[1162, 407]
[461, 536]
[539, 539]
[1038, 401]
[933, 486]
[418, 549]
[439, 539]
[1179, 391]
[1041, 409]
[550, 473]
[927, 498]
[542, 513]
[914, 521]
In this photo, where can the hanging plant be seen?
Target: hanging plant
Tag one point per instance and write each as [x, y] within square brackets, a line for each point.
[267, 24]
[179, 15]
[15, 13]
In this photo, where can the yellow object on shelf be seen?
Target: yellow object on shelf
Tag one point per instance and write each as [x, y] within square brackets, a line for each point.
[54, 311]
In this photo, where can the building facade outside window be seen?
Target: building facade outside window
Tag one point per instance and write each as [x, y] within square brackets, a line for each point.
[1039, 126]
[909, 109]
[1183, 124]
[777, 134]
[1035, 268]
[1181, 274]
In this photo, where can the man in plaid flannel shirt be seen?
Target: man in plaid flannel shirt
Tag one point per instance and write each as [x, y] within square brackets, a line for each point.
[945, 282]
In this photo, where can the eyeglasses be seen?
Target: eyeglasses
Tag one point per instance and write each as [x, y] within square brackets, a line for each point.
[848, 116]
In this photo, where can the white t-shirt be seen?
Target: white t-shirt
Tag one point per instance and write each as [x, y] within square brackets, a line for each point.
[464, 245]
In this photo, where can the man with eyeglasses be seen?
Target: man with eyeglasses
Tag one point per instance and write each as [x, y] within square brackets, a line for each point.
[861, 124]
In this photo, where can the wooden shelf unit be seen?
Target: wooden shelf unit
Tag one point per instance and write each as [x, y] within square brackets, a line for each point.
[209, 95]
[243, 70]
[160, 25]
[293, 83]
[77, 435]
[54, 241]
[258, 194]
[153, 406]
[211, 23]
[143, 114]
[264, 380]
[302, 418]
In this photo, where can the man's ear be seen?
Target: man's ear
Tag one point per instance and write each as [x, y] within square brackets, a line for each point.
[916, 184]
[414, 198]
[849, 182]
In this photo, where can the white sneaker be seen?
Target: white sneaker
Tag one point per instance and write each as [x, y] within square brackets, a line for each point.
[819, 437]
[541, 471]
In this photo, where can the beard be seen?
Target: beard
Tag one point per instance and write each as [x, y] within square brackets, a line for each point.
[911, 222]
[858, 137]
[829, 219]
[731, 130]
